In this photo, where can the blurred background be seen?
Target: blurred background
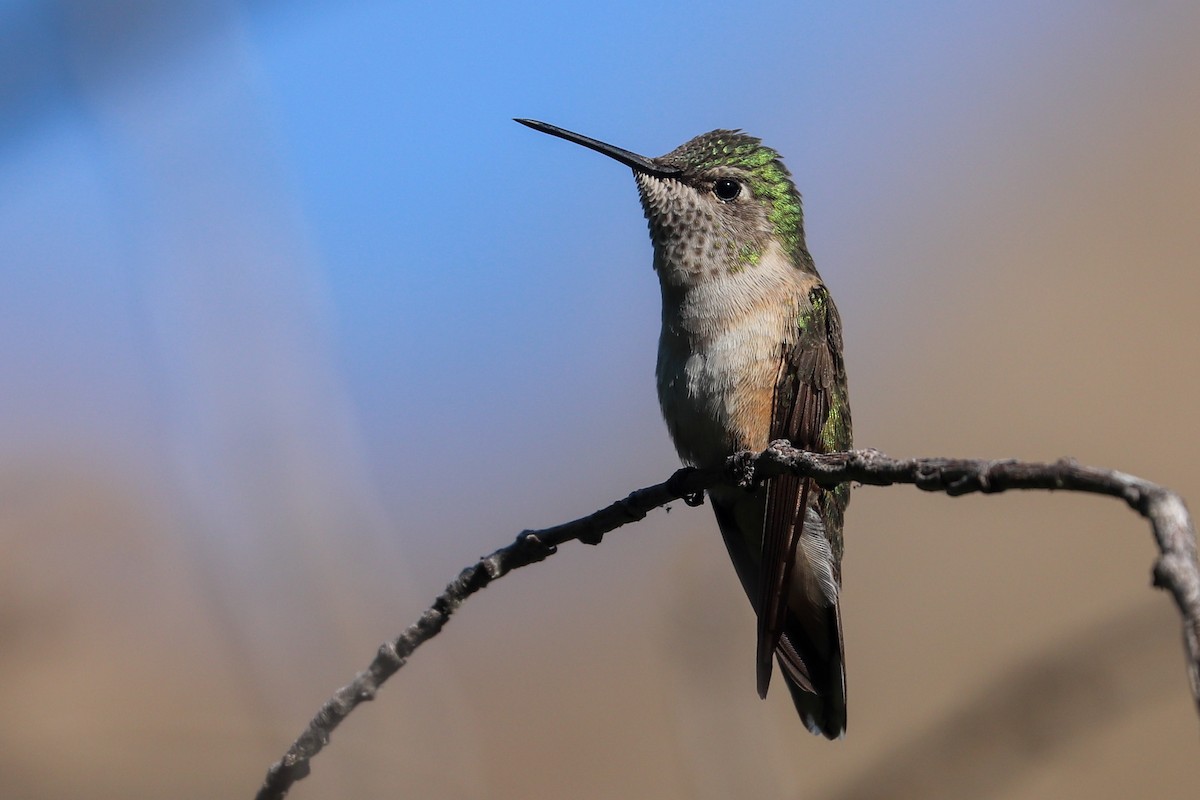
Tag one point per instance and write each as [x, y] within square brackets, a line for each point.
[295, 323]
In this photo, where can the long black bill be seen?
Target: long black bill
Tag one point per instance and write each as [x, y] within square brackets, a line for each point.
[633, 160]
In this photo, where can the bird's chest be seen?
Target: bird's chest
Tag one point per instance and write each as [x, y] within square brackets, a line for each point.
[716, 379]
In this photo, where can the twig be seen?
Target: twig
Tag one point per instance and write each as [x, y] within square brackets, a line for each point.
[1176, 569]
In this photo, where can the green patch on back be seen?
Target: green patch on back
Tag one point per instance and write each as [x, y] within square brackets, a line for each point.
[835, 433]
[814, 328]
[811, 319]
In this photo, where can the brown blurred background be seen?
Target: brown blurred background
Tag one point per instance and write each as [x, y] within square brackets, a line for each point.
[287, 341]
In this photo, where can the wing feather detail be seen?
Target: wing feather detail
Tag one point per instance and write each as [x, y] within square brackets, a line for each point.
[809, 411]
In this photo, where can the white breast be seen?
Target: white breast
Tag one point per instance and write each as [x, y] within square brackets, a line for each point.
[718, 357]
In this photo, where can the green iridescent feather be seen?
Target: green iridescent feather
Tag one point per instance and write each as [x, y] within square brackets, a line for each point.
[769, 179]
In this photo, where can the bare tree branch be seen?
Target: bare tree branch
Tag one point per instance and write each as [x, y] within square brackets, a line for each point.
[1176, 569]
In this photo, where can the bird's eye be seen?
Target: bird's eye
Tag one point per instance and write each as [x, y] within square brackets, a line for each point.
[727, 190]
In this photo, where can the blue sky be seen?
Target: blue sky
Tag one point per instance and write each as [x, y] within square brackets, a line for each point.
[439, 221]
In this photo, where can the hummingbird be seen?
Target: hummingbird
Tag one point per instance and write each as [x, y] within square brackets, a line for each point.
[751, 352]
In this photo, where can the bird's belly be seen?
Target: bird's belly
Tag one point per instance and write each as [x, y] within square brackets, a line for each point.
[716, 398]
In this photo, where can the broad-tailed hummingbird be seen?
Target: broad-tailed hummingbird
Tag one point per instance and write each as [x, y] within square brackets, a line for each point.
[750, 352]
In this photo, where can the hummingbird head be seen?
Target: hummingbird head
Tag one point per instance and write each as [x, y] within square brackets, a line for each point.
[716, 204]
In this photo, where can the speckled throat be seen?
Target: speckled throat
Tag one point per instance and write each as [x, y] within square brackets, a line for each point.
[692, 239]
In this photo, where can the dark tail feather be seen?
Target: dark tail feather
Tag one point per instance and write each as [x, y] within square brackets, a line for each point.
[819, 689]
[810, 650]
